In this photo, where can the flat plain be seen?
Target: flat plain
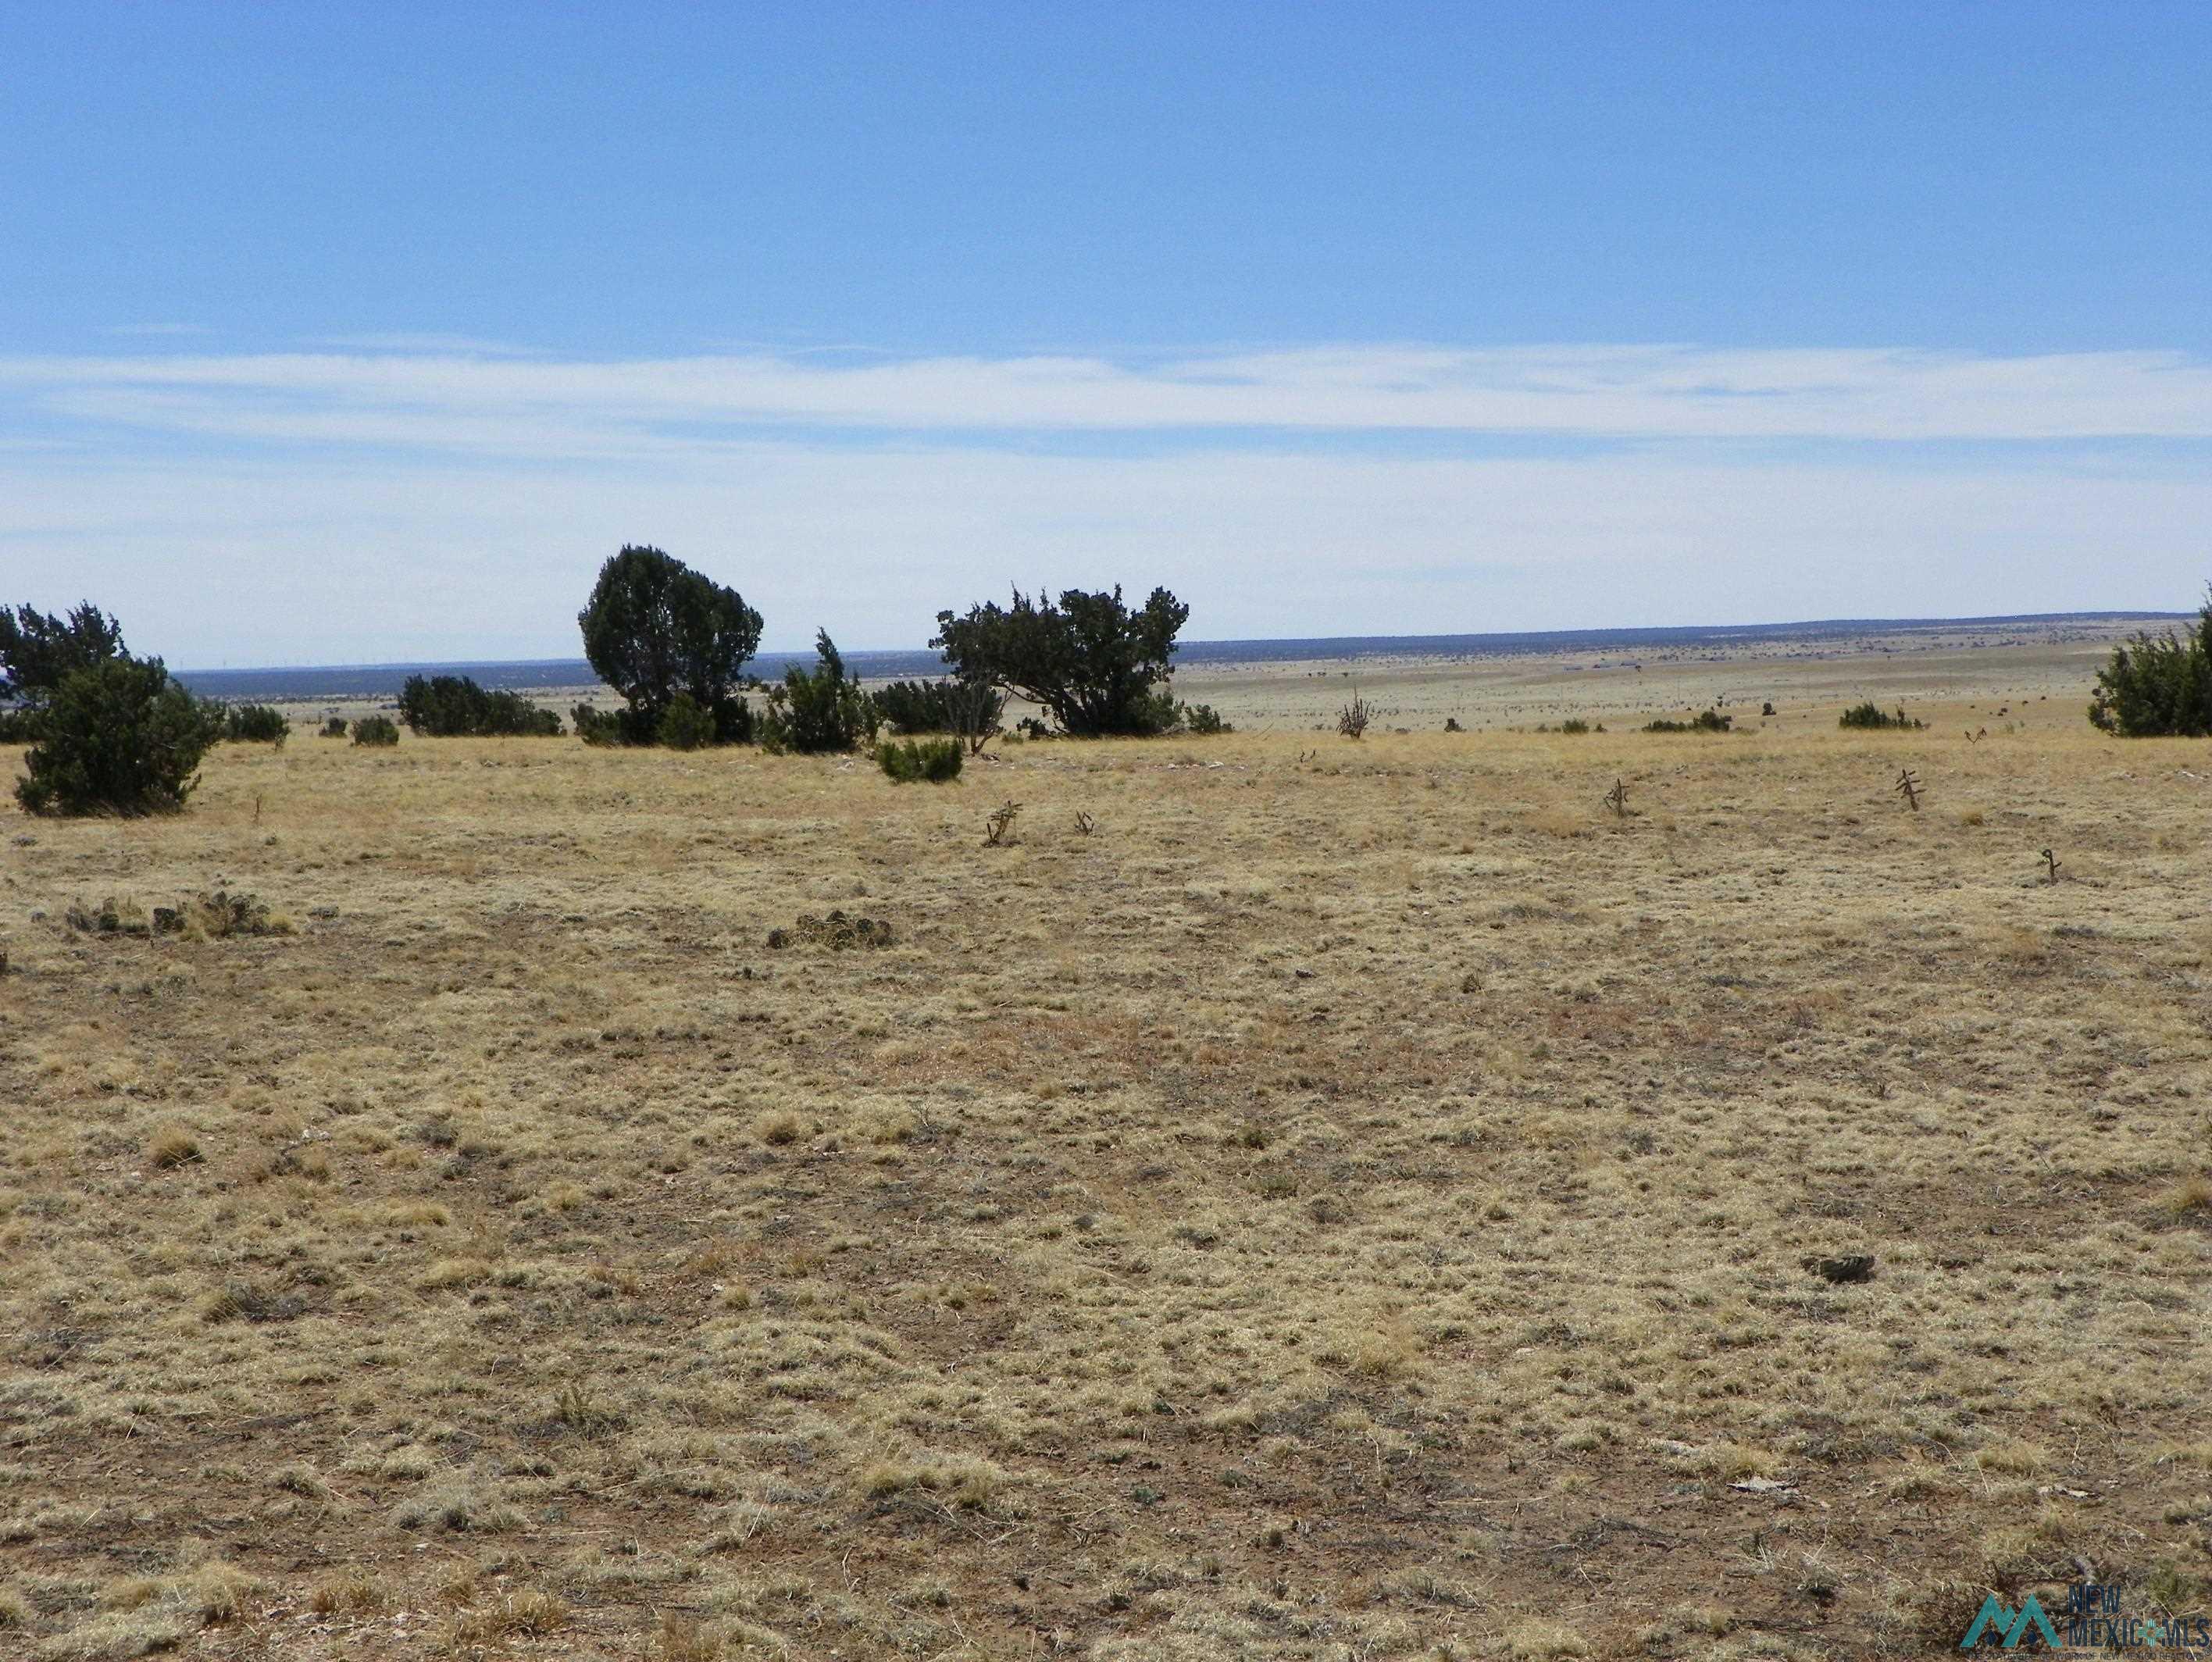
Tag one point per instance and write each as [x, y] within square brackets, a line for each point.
[1299, 1198]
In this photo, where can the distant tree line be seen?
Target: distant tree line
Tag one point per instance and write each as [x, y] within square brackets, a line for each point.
[111, 732]
[674, 645]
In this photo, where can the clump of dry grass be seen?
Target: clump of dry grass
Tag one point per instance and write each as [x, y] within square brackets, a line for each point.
[171, 1146]
[350, 1593]
[682, 1640]
[530, 1613]
[2190, 1198]
[778, 1128]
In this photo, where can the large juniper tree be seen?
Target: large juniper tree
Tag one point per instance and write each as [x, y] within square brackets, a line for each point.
[654, 628]
[1088, 658]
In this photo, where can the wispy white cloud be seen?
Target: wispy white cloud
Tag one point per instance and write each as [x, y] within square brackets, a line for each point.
[1635, 392]
[280, 560]
[406, 504]
[462, 345]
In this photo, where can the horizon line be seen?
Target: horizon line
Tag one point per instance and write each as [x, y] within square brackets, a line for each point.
[2106, 615]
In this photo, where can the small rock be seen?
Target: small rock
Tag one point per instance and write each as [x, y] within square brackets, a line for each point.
[1851, 1268]
[1764, 1486]
[1303, 975]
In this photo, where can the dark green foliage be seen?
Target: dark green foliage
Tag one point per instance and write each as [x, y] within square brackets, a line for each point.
[917, 707]
[596, 726]
[932, 760]
[116, 736]
[1088, 659]
[39, 651]
[654, 628]
[1575, 724]
[376, 730]
[1872, 715]
[253, 724]
[454, 706]
[2158, 686]
[1705, 721]
[819, 710]
[685, 724]
[1203, 721]
[333, 727]
[973, 709]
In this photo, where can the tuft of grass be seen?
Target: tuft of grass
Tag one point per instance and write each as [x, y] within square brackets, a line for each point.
[297, 1477]
[457, 1507]
[682, 1640]
[450, 1273]
[530, 1613]
[778, 1127]
[2190, 1198]
[172, 1146]
[350, 1593]
[1532, 1639]
[2012, 1457]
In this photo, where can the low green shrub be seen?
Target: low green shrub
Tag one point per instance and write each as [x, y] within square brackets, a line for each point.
[2158, 686]
[333, 727]
[455, 707]
[118, 737]
[596, 726]
[254, 723]
[969, 708]
[1705, 721]
[932, 761]
[686, 725]
[1872, 715]
[376, 730]
[1203, 721]
[819, 711]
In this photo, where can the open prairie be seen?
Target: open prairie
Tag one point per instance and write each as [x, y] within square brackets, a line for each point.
[1354, 1199]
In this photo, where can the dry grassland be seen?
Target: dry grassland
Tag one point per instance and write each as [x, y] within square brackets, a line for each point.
[1356, 1202]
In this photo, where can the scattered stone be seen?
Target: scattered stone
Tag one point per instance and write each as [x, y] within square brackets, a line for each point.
[836, 932]
[1764, 1486]
[220, 913]
[110, 917]
[1847, 1270]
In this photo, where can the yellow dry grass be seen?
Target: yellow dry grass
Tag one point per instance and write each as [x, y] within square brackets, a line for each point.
[1360, 1200]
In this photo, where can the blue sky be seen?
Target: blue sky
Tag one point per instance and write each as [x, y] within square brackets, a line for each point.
[343, 334]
